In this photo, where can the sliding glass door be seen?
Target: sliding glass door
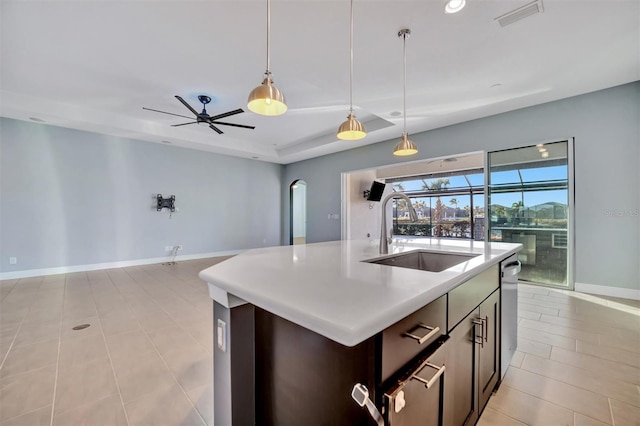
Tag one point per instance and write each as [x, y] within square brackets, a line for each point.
[530, 201]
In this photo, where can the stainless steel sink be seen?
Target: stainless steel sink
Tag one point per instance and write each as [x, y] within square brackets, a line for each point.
[424, 260]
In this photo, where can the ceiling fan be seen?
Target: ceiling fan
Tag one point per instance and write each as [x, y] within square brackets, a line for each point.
[204, 117]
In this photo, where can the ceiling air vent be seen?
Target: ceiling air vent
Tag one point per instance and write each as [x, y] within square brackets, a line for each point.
[520, 13]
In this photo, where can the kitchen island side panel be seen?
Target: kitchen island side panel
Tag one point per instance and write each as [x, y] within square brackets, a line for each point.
[303, 378]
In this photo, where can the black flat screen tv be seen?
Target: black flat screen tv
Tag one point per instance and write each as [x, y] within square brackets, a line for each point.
[375, 193]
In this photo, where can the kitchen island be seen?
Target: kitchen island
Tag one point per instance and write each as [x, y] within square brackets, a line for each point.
[298, 326]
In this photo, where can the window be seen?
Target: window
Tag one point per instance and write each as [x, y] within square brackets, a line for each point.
[448, 205]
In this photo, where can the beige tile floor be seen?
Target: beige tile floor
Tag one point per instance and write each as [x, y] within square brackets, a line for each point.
[146, 359]
[578, 362]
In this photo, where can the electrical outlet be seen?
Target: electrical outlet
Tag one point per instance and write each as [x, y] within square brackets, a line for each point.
[13, 260]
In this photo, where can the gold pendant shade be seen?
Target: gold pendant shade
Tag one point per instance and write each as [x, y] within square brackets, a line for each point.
[351, 129]
[266, 99]
[405, 147]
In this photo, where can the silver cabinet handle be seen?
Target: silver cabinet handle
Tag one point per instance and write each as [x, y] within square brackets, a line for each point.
[432, 380]
[484, 330]
[479, 339]
[432, 332]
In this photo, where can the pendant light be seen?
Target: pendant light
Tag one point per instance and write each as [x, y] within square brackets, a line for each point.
[266, 99]
[405, 146]
[351, 129]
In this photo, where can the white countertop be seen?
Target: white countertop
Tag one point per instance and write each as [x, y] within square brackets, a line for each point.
[326, 287]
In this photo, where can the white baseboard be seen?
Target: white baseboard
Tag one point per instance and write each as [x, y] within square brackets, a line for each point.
[625, 293]
[108, 265]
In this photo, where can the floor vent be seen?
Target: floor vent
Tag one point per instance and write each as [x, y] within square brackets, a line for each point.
[520, 13]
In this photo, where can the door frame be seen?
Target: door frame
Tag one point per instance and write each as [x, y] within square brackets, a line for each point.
[571, 237]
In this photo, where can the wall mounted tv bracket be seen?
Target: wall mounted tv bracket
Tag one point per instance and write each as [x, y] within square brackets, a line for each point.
[169, 203]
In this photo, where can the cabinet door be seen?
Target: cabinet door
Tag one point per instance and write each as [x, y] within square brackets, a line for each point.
[461, 397]
[489, 361]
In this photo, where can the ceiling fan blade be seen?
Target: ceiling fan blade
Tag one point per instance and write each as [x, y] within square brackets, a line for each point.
[163, 112]
[183, 124]
[187, 105]
[227, 114]
[233, 124]
[215, 129]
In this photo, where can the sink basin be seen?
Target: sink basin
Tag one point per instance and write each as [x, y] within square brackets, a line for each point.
[424, 260]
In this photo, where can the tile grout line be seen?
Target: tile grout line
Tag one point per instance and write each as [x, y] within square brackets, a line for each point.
[163, 360]
[113, 369]
[12, 287]
[555, 403]
[613, 420]
[55, 381]
[11, 346]
[533, 396]
[572, 384]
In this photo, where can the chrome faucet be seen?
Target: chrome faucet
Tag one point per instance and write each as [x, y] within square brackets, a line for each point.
[384, 242]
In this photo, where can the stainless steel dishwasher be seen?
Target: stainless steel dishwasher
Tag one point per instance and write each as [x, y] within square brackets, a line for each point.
[509, 315]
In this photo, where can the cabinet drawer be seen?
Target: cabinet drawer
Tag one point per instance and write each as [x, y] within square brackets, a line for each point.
[405, 339]
[418, 397]
[467, 296]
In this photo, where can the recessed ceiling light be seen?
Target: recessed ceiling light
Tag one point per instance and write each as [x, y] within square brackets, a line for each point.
[395, 114]
[37, 120]
[454, 6]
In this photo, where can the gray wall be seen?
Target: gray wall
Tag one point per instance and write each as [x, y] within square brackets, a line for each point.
[605, 125]
[71, 198]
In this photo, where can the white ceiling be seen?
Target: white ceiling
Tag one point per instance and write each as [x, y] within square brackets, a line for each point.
[93, 65]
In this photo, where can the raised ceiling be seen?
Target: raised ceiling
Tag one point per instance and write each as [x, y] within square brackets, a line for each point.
[93, 65]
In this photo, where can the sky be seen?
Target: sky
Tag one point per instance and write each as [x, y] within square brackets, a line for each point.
[530, 198]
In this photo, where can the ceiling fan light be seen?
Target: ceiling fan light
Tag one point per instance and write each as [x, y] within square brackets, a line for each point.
[454, 6]
[351, 129]
[405, 147]
[266, 99]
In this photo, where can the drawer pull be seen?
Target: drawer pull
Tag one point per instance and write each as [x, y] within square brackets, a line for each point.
[432, 380]
[484, 330]
[432, 332]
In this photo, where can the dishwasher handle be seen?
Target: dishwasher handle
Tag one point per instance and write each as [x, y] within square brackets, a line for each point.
[511, 269]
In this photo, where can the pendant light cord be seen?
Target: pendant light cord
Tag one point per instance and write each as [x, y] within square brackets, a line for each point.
[351, 62]
[404, 89]
[268, 38]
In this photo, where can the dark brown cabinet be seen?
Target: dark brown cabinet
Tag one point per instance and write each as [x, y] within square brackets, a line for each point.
[473, 369]
[437, 366]
[489, 354]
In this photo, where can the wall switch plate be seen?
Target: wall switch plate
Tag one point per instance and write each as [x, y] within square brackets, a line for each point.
[222, 335]
[13, 260]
